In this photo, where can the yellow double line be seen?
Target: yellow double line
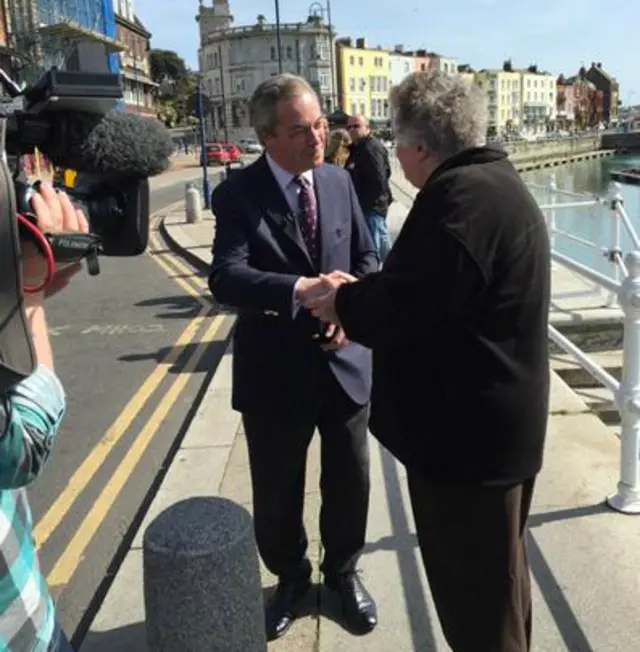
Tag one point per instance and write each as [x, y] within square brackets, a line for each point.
[67, 564]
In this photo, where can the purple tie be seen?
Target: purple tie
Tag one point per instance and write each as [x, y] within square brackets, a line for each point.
[308, 217]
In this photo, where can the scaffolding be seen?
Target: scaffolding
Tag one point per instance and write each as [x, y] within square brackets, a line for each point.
[47, 32]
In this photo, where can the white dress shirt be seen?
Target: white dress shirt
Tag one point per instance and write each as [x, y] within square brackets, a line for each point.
[291, 191]
[289, 187]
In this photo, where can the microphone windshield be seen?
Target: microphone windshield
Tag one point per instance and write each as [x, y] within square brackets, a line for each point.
[118, 143]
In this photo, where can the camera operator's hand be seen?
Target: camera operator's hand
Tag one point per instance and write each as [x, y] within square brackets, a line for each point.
[55, 213]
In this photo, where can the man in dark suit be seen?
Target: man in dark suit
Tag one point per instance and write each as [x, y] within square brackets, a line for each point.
[457, 321]
[279, 223]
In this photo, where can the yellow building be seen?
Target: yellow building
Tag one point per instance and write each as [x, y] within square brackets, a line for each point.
[363, 80]
[503, 90]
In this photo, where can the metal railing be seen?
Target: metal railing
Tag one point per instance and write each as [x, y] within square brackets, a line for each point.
[623, 287]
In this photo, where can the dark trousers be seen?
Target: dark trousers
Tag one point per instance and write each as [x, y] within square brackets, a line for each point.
[472, 540]
[278, 453]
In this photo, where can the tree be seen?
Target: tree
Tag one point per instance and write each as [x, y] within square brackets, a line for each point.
[507, 66]
[169, 70]
[175, 86]
[533, 68]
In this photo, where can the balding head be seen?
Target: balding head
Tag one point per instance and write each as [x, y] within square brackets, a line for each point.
[358, 127]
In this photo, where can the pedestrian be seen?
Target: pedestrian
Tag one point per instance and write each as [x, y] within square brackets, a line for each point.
[280, 222]
[338, 148]
[370, 171]
[30, 416]
[457, 321]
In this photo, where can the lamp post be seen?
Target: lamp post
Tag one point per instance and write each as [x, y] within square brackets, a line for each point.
[224, 98]
[203, 149]
[322, 9]
[278, 40]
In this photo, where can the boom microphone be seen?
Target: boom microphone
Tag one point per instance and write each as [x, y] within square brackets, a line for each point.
[116, 143]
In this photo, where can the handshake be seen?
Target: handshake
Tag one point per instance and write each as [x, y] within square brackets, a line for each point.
[317, 294]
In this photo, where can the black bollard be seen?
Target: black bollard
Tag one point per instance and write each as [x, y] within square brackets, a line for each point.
[202, 586]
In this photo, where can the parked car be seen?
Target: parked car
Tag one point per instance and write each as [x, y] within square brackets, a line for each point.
[234, 152]
[217, 154]
[250, 146]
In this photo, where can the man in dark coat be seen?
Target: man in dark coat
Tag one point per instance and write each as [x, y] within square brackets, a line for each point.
[457, 321]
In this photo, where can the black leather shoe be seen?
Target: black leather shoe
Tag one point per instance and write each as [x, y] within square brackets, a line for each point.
[281, 610]
[360, 611]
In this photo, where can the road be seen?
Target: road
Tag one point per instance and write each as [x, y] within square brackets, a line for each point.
[135, 348]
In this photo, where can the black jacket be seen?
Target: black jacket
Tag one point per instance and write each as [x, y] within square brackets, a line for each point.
[457, 321]
[368, 165]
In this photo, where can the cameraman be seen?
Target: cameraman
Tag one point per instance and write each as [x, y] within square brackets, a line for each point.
[30, 415]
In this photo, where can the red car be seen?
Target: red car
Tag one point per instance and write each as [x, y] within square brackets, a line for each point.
[217, 154]
[234, 152]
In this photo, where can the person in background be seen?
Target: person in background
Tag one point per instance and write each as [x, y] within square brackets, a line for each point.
[370, 171]
[338, 148]
[458, 324]
[30, 416]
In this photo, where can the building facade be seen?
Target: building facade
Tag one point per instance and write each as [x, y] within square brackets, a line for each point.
[364, 80]
[235, 60]
[401, 64]
[445, 65]
[565, 104]
[74, 35]
[503, 92]
[610, 89]
[539, 101]
[421, 61]
[134, 60]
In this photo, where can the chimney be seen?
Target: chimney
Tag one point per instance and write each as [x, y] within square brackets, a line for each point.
[599, 64]
[399, 48]
[361, 43]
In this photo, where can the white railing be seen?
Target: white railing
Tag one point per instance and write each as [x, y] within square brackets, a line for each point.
[624, 292]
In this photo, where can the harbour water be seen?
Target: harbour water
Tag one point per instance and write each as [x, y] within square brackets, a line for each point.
[591, 224]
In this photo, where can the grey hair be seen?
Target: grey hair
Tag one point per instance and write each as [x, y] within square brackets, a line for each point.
[263, 103]
[444, 115]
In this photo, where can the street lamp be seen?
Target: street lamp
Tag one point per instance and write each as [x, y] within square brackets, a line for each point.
[203, 148]
[318, 6]
[278, 43]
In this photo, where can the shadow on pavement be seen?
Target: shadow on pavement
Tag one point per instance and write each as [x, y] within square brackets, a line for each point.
[404, 541]
[204, 364]
[131, 638]
[177, 307]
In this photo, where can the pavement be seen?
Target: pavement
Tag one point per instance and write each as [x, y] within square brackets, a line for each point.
[584, 557]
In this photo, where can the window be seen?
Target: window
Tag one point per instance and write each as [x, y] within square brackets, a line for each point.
[354, 108]
[352, 84]
[373, 109]
[273, 53]
[324, 80]
[351, 62]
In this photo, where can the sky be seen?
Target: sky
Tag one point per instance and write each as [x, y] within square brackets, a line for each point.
[557, 35]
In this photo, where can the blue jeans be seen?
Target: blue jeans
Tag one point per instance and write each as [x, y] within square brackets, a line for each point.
[380, 234]
[59, 642]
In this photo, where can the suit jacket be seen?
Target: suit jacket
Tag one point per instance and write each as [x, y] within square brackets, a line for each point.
[457, 321]
[258, 255]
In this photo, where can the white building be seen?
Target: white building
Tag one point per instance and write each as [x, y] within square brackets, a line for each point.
[235, 60]
[445, 65]
[401, 64]
[539, 100]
